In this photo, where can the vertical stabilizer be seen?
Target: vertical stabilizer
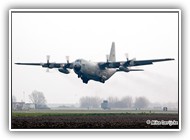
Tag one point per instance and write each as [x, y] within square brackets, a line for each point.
[112, 53]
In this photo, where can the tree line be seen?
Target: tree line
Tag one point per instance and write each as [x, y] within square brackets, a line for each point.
[39, 100]
[114, 102]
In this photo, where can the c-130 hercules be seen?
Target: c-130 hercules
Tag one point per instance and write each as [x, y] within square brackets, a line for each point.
[97, 71]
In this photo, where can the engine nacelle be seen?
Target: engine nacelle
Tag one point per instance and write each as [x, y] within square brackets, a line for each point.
[51, 66]
[47, 65]
[63, 70]
[122, 68]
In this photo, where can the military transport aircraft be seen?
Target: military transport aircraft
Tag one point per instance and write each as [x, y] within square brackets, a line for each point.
[97, 71]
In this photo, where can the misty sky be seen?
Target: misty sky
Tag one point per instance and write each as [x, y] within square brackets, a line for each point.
[89, 36]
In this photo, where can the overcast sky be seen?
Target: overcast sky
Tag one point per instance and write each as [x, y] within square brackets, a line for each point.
[89, 36]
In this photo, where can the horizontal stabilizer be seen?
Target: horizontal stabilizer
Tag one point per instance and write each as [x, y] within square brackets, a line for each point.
[136, 70]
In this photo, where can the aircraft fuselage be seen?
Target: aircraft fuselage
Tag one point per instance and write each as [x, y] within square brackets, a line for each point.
[87, 70]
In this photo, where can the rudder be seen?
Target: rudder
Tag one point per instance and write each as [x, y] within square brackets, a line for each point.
[112, 53]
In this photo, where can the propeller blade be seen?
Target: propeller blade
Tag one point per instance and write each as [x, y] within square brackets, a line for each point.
[47, 70]
[134, 59]
[48, 58]
[67, 58]
[107, 57]
[127, 56]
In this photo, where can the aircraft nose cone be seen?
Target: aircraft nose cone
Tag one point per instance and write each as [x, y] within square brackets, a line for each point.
[77, 67]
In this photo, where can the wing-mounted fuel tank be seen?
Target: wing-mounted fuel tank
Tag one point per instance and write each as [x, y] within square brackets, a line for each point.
[64, 70]
[122, 68]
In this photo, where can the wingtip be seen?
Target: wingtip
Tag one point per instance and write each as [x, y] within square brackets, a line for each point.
[18, 63]
[170, 59]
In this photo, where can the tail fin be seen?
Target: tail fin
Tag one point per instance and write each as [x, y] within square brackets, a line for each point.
[112, 53]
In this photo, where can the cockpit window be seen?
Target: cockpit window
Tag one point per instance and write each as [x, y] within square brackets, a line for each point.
[78, 60]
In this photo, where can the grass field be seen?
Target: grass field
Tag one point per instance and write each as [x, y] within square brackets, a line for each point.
[90, 119]
[97, 111]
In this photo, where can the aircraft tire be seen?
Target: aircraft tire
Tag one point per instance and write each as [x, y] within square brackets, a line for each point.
[102, 80]
[85, 80]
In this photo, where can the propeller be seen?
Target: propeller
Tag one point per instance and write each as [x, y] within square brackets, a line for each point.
[127, 56]
[47, 70]
[48, 58]
[132, 61]
[67, 58]
[48, 64]
[107, 57]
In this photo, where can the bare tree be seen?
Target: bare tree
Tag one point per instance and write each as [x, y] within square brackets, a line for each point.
[38, 99]
[126, 102]
[141, 102]
[84, 102]
[90, 102]
[113, 101]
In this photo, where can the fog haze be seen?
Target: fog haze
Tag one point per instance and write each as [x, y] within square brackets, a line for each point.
[89, 36]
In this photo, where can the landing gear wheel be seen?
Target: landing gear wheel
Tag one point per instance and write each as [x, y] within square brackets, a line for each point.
[85, 80]
[102, 80]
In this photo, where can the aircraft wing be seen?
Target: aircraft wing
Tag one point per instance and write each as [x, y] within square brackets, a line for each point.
[130, 63]
[34, 64]
[49, 65]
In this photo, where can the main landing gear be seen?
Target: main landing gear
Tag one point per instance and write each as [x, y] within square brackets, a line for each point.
[85, 80]
[102, 80]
